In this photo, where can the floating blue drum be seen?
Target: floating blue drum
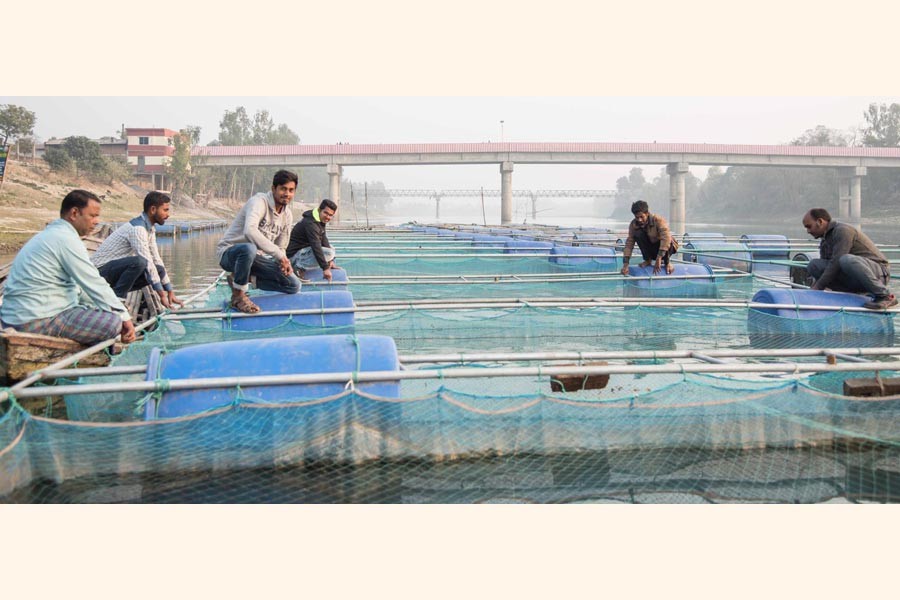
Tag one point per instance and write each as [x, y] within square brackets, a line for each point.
[688, 237]
[446, 233]
[464, 235]
[301, 301]
[690, 280]
[774, 247]
[482, 240]
[527, 247]
[584, 258]
[431, 230]
[792, 326]
[719, 254]
[319, 354]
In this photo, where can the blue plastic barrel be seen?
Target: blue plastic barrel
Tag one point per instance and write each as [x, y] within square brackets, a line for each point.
[446, 233]
[689, 280]
[767, 246]
[802, 327]
[688, 237]
[431, 230]
[720, 254]
[272, 356]
[464, 235]
[527, 247]
[588, 258]
[490, 241]
[302, 301]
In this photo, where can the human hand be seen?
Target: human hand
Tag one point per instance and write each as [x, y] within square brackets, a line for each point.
[657, 266]
[625, 270]
[285, 265]
[173, 300]
[128, 334]
[164, 298]
[326, 273]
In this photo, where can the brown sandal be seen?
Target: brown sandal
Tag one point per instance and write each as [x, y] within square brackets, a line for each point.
[244, 304]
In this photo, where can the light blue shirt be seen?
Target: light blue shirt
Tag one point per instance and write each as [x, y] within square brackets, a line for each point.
[53, 273]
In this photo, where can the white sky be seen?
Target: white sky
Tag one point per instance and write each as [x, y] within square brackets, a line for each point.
[325, 120]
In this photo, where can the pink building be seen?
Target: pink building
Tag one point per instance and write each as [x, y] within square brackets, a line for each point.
[149, 151]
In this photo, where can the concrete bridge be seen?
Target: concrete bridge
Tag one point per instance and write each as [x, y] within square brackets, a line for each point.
[852, 163]
[438, 195]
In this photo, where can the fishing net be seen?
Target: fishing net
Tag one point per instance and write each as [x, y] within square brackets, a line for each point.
[654, 437]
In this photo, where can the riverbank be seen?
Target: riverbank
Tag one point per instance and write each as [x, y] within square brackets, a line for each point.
[31, 194]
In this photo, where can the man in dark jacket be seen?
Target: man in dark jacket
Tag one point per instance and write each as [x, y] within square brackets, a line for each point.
[849, 261]
[651, 233]
[309, 247]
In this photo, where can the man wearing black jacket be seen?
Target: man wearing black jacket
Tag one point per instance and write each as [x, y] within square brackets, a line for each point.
[309, 247]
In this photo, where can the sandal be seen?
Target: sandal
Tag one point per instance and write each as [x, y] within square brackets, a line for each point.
[244, 304]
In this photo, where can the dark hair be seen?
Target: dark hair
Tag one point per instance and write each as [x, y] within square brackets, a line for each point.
[76, 199]
[155, 199]
[326, 203]
[640, 206]
[283, 176]
[820, 213]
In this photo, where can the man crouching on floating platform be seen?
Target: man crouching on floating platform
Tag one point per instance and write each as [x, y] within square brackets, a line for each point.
[651, 232]
[309, 247]
[255, 242]
[849, 261]
[53, 275]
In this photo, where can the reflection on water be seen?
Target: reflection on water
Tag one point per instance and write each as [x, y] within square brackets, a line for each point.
[190, 260]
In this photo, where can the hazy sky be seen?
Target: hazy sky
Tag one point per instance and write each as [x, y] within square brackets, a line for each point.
[325, 120]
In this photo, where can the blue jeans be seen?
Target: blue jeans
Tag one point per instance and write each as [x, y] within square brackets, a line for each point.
[127, 274]
[305, 259]
[857, 275]
[242, 261]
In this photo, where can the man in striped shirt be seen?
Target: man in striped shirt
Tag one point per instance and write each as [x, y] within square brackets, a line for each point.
[129, 258]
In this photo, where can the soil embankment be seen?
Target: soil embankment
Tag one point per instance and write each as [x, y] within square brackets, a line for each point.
[31, 194]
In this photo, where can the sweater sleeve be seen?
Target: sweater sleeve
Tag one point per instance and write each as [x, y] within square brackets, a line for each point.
[841, 244]
[256, 211]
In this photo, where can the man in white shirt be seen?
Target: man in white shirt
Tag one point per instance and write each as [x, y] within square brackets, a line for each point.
[54, 289]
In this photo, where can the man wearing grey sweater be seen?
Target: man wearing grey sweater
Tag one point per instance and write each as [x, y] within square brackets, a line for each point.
[254, 244]
[849, 261]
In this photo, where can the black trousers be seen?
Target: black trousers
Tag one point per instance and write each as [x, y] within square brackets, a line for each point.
[127, 274]
[650, 250]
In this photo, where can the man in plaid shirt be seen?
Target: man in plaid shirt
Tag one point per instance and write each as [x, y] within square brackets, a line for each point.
[129, 258]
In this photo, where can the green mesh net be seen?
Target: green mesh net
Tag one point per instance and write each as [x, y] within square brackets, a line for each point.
[642, 438]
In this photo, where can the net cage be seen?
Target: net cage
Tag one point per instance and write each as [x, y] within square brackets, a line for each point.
[644, 437]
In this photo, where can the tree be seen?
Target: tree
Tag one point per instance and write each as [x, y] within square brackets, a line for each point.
[179, 168]
[15, 121]
[59, 160]
[883, 129]
[235, 127]
[86, 154]
[822, 136]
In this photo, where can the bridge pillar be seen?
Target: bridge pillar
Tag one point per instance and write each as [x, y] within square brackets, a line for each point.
[334, 179]
[437, 207]
[844, 198]
[856, 195]
[506, 199]
[677, 205]
[533, 207]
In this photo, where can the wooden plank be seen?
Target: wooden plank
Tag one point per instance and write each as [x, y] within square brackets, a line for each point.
[574, 383]
[869, 387]
[23, 353]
